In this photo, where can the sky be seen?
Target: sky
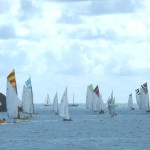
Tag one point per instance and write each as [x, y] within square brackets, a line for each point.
[74, 43]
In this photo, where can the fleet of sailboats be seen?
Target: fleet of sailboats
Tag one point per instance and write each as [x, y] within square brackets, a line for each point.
[15, 107]
[94, 101]
[142, 97]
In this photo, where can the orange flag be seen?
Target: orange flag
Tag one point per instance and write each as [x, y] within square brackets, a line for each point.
[11, 78]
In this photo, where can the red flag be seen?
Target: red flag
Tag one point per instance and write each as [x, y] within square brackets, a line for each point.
[96, 90]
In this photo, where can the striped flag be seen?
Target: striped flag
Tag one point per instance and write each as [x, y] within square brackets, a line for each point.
[28, 83]
[11, 78]
[96, 90]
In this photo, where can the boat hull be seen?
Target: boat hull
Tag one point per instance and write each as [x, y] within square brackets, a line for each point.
[3, 122]
[73, 105]
[22, 119]
[67, 119]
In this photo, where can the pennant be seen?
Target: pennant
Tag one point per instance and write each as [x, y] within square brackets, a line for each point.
[137, 90]
[144, 87]
[28, 83]
[96, 90]
[90, 87]
[11, 78]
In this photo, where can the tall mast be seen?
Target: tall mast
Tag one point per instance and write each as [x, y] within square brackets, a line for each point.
[73, 98]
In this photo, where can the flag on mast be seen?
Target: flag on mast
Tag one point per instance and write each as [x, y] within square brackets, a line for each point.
[96, 90]
[90, 87]
[12, 79]
[28, 83]
[145, 88]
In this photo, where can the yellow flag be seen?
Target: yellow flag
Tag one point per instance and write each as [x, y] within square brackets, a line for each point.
[90, 87]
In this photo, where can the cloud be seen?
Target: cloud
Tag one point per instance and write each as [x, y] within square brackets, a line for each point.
[28, 9]
[4, 6]
[87, 33]
[75, 43]
[95, 7]
[7, 32]
[72, 62]
[114, 6]
[68, 18]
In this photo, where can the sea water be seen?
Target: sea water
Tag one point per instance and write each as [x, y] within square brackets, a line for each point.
[129, 130]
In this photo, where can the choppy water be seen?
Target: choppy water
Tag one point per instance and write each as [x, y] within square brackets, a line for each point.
[129, 130]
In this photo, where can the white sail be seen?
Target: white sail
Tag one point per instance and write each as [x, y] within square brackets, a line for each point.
[138, 97]
[55, 104]
[130, 101]
[96, 102]
[27, 102]
[142, 97]
[144, 100]
[111, 104]
[101, 103]
[47, 100]
[89, 99]
[29, 87]
[73, 104]
[66, 109]
[111, 101]
[63, 107]
[12, 101]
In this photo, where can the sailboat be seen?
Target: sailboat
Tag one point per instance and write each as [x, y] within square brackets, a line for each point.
[27, 98]
[3, 121]
[47, 101]
[138, 97]
[73, 104]
[89, 97]
[98, 104]
[130, 102]
[111, 105]
[101, 108]
[63, 107]
[144, 97]
[12, 100]
[55, 104]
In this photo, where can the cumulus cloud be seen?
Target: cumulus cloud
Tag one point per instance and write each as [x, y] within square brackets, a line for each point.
[75, 43]
[114, 6]
[28, 9]
[7, 32]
